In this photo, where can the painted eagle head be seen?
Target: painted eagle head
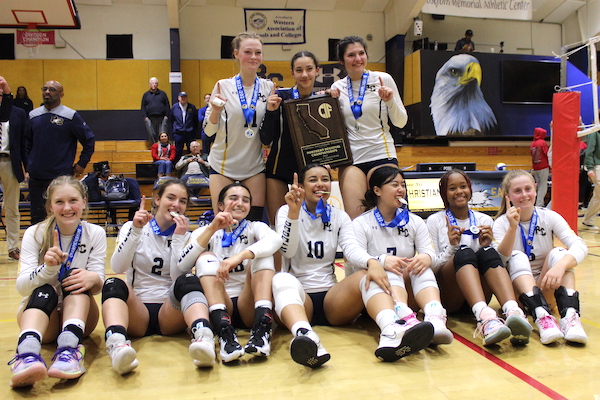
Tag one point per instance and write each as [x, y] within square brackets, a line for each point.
[457, 103]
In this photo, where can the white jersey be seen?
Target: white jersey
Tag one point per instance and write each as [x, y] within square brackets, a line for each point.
[438, 230]
[372, 140]
[34, 272]
[237, 153]
[549, 224]
[309, 247]
[257, 237]
[404, 241]
[149, 261]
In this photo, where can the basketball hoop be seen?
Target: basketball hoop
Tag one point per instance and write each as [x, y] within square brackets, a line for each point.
[31, 40]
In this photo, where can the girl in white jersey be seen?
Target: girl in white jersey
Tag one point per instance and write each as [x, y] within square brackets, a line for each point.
[402, 244]
[62, 267]
[234, 259]
[235, 114]
[368, 99]
[157, 298]
[538, 269]
[311, 231]
[466, 259]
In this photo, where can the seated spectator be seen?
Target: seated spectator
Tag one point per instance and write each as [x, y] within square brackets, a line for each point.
[163, 154]
[192, 164]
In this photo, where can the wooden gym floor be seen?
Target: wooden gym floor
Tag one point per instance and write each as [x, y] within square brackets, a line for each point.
[462, 370]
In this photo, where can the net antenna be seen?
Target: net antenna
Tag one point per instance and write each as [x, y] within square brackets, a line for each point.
[590, 46]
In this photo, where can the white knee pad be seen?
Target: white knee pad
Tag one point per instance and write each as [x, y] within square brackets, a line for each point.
[207, 265]
[425, 280]
[258, 264]
[518, 264]
[395, 279]
[287, 290]
[555, 255]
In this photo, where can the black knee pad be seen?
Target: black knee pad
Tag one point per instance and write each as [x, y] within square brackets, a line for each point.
[115, 288]
[531, 303]
[564, 301]
[488, 257]
[464, 256]
[255, 214]
[186, 284]
[65, 293]
[43, 298]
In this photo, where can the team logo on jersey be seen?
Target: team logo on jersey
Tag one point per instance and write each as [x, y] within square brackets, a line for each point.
[82, 249]
[56, 120]
[539, 230]
[243, 239]
[402, 231]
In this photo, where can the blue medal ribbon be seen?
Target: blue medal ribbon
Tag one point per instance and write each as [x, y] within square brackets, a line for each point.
[296, 93]
[528, 241]
[400, 219]
[472, 223]
[66, 266]
[248, 111]
[156, 229]
[356, 107]
[230, 238]
[323, 210]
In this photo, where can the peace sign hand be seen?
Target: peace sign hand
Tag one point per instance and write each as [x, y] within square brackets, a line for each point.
[224, 219]
[142, 216]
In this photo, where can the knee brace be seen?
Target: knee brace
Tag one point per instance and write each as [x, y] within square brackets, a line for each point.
[186, 291]
[258, 264]
[287, 290]
[518, 264]
[43, 298]
[530, 303]
[207, 265]
[255, 214]
[488, 257]
[427, 279]
[564, 301]
[464, 256]
[65, 293]
[115, 288]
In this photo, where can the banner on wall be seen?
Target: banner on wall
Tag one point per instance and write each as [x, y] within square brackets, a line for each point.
[277, 26]
[500, 9]
[34, 37]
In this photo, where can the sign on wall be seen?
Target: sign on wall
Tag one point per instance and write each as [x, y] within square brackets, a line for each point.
[276, 26]
[500, 9]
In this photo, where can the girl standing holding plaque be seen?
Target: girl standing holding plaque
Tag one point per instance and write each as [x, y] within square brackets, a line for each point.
[468, 267]
[62, 267]
[538, 269]
[235, 113]
[281, 163]
[368, 99]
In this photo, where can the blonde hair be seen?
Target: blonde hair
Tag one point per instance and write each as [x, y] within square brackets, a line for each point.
[506, 182]
[236, 42]
[49, 224]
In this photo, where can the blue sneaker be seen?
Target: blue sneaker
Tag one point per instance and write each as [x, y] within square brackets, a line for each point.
[68, 363]
[27, 369]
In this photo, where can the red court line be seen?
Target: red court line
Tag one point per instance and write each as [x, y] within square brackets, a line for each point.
[509, 368]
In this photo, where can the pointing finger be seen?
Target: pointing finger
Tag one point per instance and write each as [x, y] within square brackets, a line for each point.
[218, 87]
[143, 203]
[56, 242]
[229, 207]
[295, 179]
[381, 81]
[273, 90]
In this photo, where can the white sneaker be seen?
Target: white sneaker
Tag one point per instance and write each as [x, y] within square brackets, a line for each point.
[441, 334]
[590, 227]
[306, 349]
[121, 353]
[549, 330]
[231, 349]
[519, 327]
[572, 329]
[202, 348]
[397, 341]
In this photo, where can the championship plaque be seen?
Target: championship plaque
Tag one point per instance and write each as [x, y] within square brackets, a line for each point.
[318, 131]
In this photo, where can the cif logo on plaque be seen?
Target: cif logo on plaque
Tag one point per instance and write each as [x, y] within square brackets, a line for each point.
[325, 110]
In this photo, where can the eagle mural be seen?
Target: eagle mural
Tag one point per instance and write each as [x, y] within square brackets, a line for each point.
[457, 103]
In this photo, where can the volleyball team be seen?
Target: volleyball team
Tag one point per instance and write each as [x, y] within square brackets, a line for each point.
[238, 273]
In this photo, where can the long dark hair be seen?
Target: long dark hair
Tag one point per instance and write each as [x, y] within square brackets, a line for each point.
[379, 177]
[345, 42]
[304, 53]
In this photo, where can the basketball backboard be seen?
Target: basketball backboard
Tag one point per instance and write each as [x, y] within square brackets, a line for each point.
[41, 14]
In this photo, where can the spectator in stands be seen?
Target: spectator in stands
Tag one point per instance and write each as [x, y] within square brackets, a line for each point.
[192, 164]
[163, 154]
[12, 126]
[465, 45]
[94, 181]
[51, 140]
[183, 120]
[155, 107]
[207, 141]
[22, 100]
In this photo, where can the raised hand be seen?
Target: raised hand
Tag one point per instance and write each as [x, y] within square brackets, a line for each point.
[454, 232]
[54, 255]
[142, 216]
[385, 92]
[218, 101]
[294, 198]
[224, 219]
[513, 214]
[273, 101]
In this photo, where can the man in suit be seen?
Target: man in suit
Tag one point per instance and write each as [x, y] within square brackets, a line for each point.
[12, 125]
